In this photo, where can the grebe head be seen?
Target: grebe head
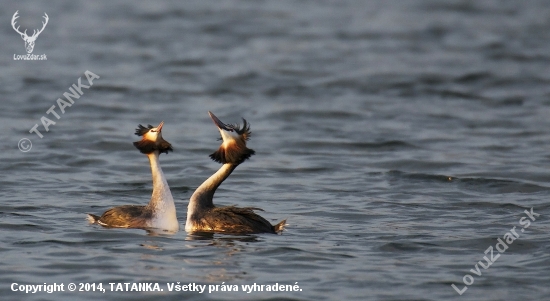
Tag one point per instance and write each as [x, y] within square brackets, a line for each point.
[233, 149]
[152, 139]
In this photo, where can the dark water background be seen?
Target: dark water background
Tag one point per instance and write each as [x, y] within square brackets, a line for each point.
[399, 139]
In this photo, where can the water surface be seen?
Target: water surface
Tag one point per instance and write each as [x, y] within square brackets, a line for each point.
[399, 140]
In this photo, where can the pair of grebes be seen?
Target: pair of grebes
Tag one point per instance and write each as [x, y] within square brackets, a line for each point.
[202, 215]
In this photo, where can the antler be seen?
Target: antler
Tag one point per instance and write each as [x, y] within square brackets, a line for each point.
[15, 17]
[35, 34]
[43, 25]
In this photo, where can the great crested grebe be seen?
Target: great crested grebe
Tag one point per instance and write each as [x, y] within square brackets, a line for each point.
[202, 215]
[160, 213]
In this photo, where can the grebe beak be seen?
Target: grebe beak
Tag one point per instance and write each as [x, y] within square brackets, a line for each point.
[218, 122]
[159, 127]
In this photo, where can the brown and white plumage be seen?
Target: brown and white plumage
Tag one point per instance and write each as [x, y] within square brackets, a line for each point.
[202, 215]
[160, 213]
[126, 216]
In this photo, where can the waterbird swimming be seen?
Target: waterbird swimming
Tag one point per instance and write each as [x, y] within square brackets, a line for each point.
[160, 213]
[202, 215]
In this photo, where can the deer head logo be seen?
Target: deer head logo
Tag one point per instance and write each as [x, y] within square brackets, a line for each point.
[29, 41]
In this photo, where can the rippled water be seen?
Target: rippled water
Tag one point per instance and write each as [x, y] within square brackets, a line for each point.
[399, 139]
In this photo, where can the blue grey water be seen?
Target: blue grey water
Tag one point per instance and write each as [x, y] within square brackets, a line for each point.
[399, 139]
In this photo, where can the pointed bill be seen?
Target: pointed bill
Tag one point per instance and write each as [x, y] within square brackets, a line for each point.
[218, 122]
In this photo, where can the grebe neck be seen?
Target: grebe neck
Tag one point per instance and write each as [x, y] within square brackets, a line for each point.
[202, 197]
[162, 202]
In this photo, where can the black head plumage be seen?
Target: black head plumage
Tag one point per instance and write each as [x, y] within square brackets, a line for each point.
[232, 155]
[141, 130]
[237, 152]
[244, 131]
[146, 146]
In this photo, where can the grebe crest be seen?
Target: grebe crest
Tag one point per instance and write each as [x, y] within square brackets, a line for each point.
[152, 139]
[202, 215]
[233, 149]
